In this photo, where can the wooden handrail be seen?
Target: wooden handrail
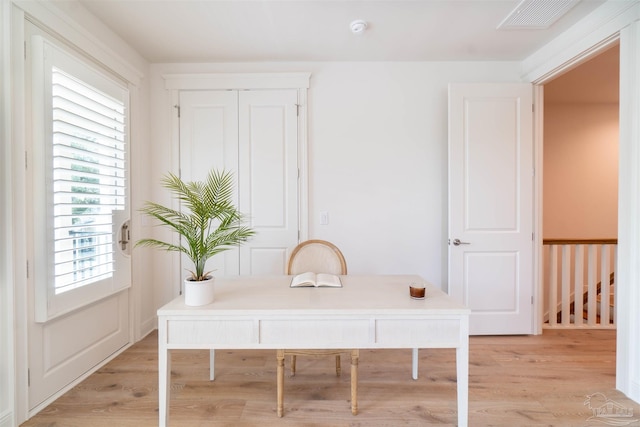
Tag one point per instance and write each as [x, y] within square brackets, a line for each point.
[580, 241]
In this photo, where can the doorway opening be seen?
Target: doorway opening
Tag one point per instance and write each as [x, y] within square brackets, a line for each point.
[580, 194]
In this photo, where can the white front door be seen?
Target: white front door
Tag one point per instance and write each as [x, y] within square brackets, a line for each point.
[255, 135]
[78, 210]
[491, 205]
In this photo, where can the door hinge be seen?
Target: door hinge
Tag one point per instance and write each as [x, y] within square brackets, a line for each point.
[177, 107]
[27, 269]
[297, 109]
[28, 377]
[26, 160]
[531, 299]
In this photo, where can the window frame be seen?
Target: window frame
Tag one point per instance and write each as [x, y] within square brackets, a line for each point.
[46, 55]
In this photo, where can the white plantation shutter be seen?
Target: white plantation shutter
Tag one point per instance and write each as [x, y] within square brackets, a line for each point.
[80, 150]
[88, 180]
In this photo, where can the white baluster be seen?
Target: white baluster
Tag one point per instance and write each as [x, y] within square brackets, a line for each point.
[605, 271]
[566, 285]
[578, 285]
[591, 283]
[553, 285]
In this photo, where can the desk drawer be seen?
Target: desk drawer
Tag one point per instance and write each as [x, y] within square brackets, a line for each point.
[315, 333]
[409, 333]
[211, 332]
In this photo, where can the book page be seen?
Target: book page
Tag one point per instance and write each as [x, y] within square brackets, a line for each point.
[330, 280]
[304, 279]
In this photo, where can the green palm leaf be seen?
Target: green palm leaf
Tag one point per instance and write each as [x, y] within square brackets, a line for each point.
[209, 222]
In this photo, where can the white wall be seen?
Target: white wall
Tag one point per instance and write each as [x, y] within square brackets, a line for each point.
[7, 366]
[377, 155]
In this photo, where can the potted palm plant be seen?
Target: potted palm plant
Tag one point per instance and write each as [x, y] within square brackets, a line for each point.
[208, 225]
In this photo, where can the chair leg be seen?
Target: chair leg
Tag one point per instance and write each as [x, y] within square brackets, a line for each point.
[355, 354]
[293, 366]
[338, 366]
[280, 382]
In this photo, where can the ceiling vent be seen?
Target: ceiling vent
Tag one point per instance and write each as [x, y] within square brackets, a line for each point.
[536, 14]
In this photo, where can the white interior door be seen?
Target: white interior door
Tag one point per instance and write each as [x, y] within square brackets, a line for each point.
[253, 134]
[491, 205]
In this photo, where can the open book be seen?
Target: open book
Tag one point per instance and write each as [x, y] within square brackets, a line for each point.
[310, 279]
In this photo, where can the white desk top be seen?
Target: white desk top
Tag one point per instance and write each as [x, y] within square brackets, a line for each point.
[367, 312]
[360, 294]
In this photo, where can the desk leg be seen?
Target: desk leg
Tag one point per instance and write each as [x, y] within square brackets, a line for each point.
[414, 363]
[355, 354]
[280, 382]
[462, 365]
[212, 364]
[164, 382]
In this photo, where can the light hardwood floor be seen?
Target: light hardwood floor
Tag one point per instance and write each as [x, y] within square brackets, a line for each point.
[514, 381]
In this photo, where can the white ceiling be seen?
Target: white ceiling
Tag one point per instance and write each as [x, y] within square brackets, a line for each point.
[318, 30]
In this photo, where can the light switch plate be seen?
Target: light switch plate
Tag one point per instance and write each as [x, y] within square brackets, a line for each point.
[324, 218]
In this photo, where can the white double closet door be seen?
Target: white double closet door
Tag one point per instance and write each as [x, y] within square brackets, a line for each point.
[254, 134]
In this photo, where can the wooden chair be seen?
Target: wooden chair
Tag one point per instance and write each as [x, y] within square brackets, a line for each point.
[318, 256]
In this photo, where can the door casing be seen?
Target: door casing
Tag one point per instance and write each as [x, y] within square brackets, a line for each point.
[253, 134]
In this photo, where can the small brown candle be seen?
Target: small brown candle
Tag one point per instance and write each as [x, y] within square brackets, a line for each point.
[416, 291]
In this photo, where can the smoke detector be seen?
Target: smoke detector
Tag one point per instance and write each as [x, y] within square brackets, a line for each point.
[358, 26]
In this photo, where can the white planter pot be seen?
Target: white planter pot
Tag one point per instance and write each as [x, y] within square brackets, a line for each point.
[198, 293]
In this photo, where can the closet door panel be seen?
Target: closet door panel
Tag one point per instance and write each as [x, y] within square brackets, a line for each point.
[208, 140]
[253, 133]
[268, 150]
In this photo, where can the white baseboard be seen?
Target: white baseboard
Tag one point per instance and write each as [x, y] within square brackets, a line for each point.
[634, 392]
[7, 419]
[147, 326]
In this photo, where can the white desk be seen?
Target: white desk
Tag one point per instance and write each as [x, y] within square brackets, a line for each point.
[264, 313]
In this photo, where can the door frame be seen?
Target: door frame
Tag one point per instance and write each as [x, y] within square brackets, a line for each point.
[50, 322]
[47, 18]
[627, 32]
[538, 148]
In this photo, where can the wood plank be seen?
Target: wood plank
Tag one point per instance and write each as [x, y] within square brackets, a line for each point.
[513, 381]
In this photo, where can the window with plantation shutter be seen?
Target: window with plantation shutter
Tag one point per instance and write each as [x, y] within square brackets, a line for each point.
[80, 181]
[88, 179]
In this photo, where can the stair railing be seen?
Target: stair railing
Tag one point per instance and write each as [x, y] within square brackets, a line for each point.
[579, 283]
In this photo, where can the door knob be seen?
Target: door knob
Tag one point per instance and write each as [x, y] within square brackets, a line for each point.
[457, 242]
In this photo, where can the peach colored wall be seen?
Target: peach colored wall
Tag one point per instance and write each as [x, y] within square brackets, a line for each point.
[580, 171]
